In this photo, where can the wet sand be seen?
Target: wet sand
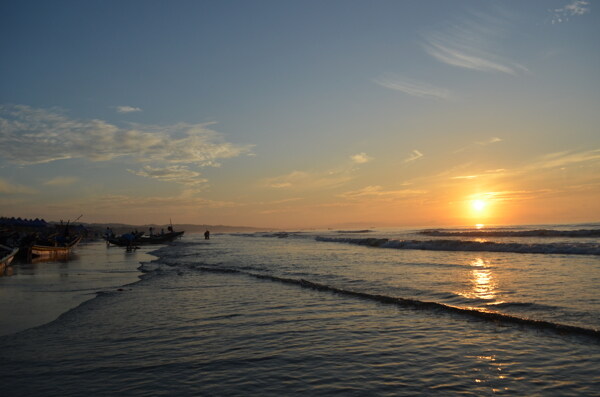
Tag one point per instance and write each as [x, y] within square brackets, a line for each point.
[37, 293]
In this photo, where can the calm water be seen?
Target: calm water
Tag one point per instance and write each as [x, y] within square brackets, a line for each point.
[324, 313]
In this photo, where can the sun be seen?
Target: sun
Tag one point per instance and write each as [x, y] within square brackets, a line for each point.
[478, 205]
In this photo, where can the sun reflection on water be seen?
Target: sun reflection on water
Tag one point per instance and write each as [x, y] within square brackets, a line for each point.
[482, 282]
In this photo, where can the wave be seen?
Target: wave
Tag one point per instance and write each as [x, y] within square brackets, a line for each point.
[514, 233]
[477, 246]
[525, 305]
[282, 234]
[263, 234]
[495, 317]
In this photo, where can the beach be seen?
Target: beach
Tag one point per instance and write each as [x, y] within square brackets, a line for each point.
[37, 293]
[324, 313]
[349, 198]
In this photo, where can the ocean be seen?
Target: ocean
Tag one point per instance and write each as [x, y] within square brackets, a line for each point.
[492, 311]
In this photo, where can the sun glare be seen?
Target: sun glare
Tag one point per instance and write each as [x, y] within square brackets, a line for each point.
[478, 205]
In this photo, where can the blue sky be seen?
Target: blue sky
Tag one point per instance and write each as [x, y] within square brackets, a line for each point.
[300, 113]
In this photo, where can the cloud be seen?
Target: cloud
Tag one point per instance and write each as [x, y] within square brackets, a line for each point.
[34, 136]
[550, 167]
[145, 203]
[294, 178]
[360, 158]
[490, 141]
[487, 142]
[61, 181]
[280, 185]
[302, 180]
[578, 7]
[574, 8]
[511, 195]
[415, 155]
[473, 43]
[466, 177]
[288, 205]
[318, 179]
[413, 88]
[563, 159]
[174, 173]
[7, 187]
[127, 109]
[378, 193]
[498, 172]
[456, 54]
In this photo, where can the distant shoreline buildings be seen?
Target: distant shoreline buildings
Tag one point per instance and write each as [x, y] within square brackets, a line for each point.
[15, 222]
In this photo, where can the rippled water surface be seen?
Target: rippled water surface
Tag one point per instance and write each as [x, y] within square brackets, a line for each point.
[292, 314]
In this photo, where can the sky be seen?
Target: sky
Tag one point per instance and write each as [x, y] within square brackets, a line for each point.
[301, 114]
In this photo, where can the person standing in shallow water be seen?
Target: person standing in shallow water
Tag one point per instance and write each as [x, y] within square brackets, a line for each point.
[207, 235]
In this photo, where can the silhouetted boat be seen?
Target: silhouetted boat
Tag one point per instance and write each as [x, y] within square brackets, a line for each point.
[163, 238]
[7, 254]
[160, 238]
[56, 248]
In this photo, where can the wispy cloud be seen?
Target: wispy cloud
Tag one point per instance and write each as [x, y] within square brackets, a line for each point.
[61, 181]
[456, 54]
[319, 179]
[572, 9]
[361, 158]
[127, 109]
[488, 173]
[181, 203]
[581, 168]
[35, 136]
[486, 142]
[175, 173]
[473, 43]
[289, 205]
[511, 195]
[7, 187]
[415, 155]
[303, 180]
[379, 193]
[564, 159]
[494, 139]
[413, 88]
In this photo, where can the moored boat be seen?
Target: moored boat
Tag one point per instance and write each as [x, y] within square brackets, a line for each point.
[131, 239]
[160, 238]
[7, 254]
[55, 249]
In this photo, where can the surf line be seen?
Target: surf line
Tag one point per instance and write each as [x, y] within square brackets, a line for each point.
[561, 329]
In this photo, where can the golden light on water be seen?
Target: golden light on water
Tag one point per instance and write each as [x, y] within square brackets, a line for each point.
[481, 283]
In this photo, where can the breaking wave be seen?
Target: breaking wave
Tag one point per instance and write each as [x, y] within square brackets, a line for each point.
[514, 233]
[476, 246]
[419, 305]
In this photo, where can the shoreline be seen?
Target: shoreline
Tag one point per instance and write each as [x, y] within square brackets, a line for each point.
[38, 293]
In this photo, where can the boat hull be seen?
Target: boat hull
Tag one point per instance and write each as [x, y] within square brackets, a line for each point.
[147, 240]
[7, 258]
[48, 250]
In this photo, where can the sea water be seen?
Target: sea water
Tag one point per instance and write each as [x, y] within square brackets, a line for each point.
[509, 311]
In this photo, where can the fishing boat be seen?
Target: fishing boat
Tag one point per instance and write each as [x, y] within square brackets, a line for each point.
[7, 254]
[160, 238]
[56, 248]
[132, 239]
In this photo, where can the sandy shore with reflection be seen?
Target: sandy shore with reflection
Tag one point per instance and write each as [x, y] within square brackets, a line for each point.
[37, 293]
